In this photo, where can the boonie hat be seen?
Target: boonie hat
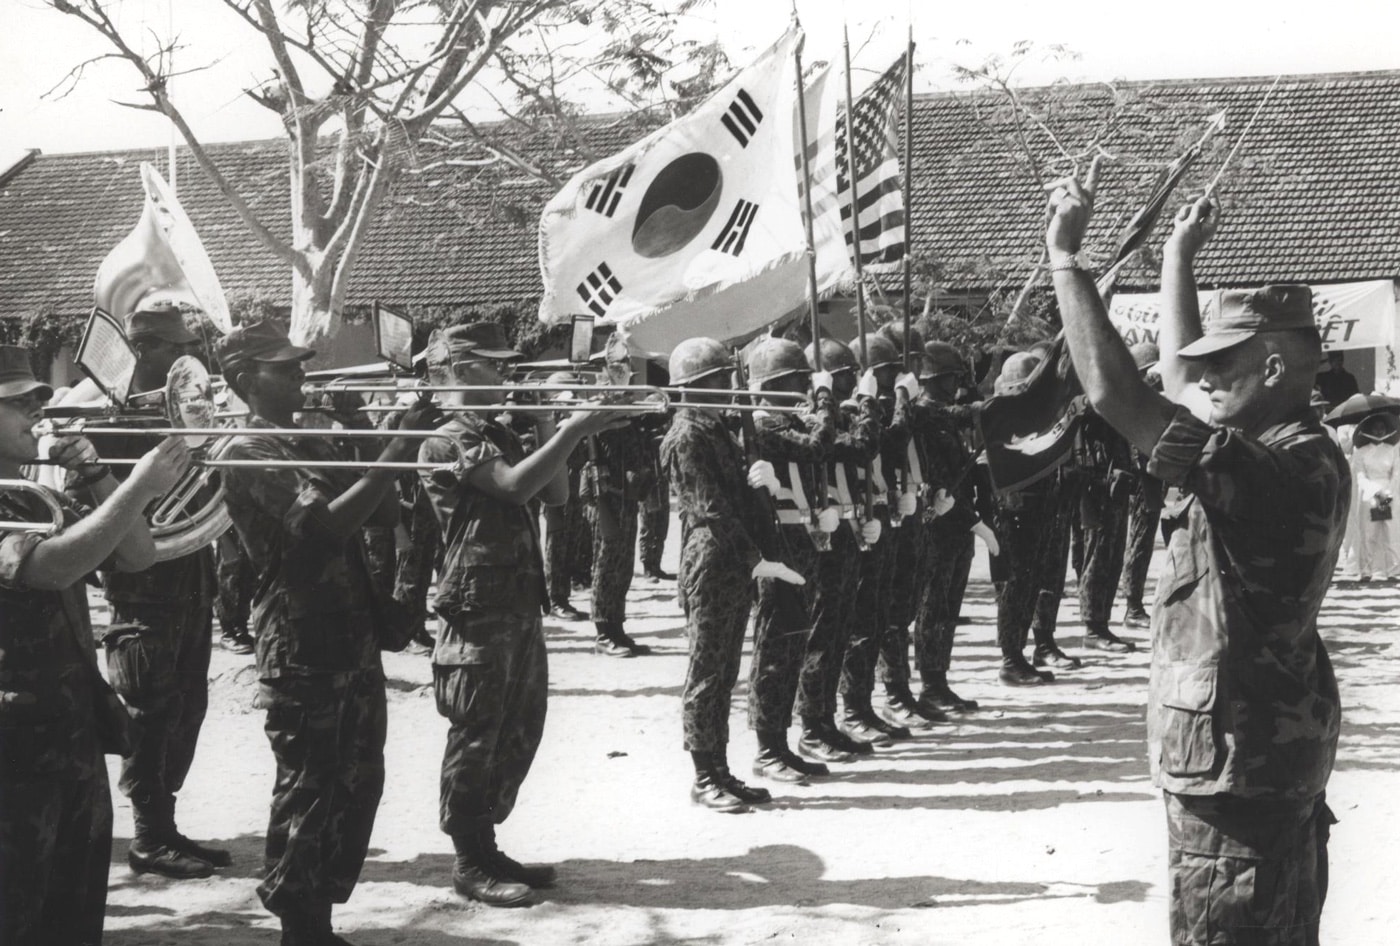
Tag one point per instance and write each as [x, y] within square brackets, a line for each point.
[16, 376]
[483, 339]
[159, 320]
[263, 342]
[1231, 317]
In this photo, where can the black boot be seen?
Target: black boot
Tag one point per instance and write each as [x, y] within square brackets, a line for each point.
[309, 924]
[862, 725]
[607, 644]
[747, 794]
[936, 692]
[1136, 616]
[709, 790]
[1016, 671]
[476, 878]
[1099, 637]
[536, 876]
[625, 639]
[154, 849]
[816, 741]
[902, 709]
[776, 761]
[1048, 652]
[655, 573]
[217, 856]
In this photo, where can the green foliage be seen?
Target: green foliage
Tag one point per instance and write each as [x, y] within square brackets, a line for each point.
[520, 318]
[44, 332]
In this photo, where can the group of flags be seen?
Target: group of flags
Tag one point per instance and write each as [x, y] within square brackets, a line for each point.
[699, 228]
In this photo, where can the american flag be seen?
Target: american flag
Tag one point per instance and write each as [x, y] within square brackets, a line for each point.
[875, 127]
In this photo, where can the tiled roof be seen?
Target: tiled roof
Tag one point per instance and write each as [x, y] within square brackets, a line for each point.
[1314, 195]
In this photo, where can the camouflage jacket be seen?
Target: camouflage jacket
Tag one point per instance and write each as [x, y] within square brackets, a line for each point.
[48, 664]
[619, 466]
[490, 549]
[855, 442]
[707, 471]
[798, 442]
[312, 610]
[1242, 698]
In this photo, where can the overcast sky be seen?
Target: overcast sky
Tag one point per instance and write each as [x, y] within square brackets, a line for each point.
[1126, 39]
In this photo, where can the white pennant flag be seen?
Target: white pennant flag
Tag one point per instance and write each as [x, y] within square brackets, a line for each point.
[695, 229]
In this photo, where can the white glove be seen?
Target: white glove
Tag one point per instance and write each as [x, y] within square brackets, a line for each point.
[828, 519]
[870, 531]
[942, 502]
[908, 504]
[867, 386]
[762, 476]
[821, 379]
[907, 383]
[767, 569]
[988, 537]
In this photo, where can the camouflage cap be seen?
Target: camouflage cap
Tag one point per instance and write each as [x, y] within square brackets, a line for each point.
[1231, 317]
[160, 320]
[263, 342]
[16, 376]
[481, 339]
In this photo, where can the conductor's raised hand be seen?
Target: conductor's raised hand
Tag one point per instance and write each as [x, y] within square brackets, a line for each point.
[1071, 207]
[1194, 226]
[162, 466]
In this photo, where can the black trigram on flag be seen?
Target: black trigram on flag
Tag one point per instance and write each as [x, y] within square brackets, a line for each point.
[742, 118]
[599, 288]
[736, 231]
[605, 194]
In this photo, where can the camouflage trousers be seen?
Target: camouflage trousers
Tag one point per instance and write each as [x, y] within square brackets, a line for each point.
[55, 848]
[235, 581]
[655, 516]
[717, 597]
[1246, 871]
[327, 733]
[565, 528]
[1137, 557]
[947, 566]
[869, 621]
[833, 612]
[614, 521]
[1035, 551]
[1101, 561]
[780, 639]
[413, 570]
[382, 557]
[494, 701]
[908, 572]
[158, 662]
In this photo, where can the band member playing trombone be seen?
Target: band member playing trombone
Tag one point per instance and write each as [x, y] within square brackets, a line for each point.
[57, 717]
[490, 674]
[319, 670]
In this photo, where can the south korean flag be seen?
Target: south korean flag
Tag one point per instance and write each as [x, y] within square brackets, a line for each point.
[694, 230]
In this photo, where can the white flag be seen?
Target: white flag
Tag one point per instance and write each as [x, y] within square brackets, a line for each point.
[695, 229]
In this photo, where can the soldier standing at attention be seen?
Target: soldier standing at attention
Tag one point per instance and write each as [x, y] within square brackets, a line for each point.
[1242, 711]
[564, 524]
[490, 669]
[1106, 488]
[855, 443]
[656, 512]
[317, 635]
[57, 717]
[1144, 509]
[720, 559]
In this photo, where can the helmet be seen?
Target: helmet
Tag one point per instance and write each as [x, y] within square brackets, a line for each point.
[1015, 369]
[696, 358]
[940, 358]
[894, 331]
[879, 351]
[836, 356]
[773, 358]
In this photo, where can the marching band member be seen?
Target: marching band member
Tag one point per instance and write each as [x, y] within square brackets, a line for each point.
[720, 520]
[317, 631]
[57, 717]
[490, 670]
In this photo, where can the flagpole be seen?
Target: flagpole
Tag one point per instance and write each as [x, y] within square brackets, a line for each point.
[807, 216]
[908, 190]
[855, 202]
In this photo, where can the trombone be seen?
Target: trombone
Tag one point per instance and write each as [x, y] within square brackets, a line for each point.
[641, 398]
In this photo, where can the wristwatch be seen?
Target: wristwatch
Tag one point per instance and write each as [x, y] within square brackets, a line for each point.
[1071, 261]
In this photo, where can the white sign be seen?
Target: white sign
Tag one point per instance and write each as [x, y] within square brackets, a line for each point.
[1349, 315]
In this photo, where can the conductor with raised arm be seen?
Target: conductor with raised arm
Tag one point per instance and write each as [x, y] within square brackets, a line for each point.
[1243, 713]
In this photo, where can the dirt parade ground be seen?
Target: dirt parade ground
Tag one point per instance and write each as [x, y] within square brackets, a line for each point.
[1029, 821]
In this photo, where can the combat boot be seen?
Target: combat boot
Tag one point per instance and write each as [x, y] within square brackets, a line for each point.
[936, 692]
[817, 744]
[903, 710]
[625, 639]
[476, 878]
[1016, 671]
[1050, 653]
[153, 850]
[748, 794]
[1137, 616]
[776, 761]
[709, 791]
[1099, 637]
[536, 876]
[862, 725]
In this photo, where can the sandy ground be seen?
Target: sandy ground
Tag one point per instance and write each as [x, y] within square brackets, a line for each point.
[1032, 820]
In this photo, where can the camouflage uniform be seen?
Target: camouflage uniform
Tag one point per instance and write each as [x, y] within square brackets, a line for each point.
[1102, 522]
[1033, 527]
[655, 512]
[413, 571]
[792, 444]
[234, 579]
[564, 529]
[949, 536]
[490, 670]
[1144, 512]
[319, 670]
[1243, 711]
[616, 476]
[855, 442]
[718, 554]
[875, 586]
[55, 805]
